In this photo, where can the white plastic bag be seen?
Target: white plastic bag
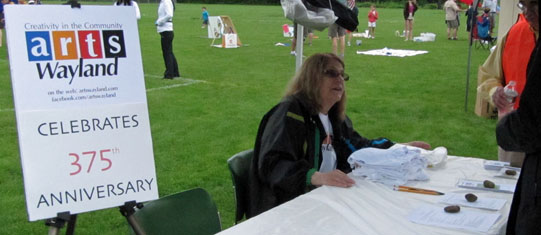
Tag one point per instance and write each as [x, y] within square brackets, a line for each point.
[393, 166]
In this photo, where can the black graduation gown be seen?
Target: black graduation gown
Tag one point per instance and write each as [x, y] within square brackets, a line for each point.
[521, 131]
[347, 18]
[286, 150]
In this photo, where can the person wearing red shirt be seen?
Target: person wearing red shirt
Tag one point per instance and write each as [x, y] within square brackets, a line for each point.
[372, 17]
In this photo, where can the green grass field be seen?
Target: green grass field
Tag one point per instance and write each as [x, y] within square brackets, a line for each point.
[197, 126]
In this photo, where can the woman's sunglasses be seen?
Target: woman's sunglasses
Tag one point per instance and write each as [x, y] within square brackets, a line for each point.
[335, 74]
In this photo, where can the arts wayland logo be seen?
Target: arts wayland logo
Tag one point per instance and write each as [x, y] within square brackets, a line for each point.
[65, 55]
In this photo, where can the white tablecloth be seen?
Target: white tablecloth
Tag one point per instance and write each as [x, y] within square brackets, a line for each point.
[372, 208]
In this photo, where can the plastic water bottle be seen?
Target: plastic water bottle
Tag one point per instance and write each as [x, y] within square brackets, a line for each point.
[511, 93]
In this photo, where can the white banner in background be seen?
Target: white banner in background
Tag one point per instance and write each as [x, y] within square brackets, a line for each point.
[80, 101]
[215, 27]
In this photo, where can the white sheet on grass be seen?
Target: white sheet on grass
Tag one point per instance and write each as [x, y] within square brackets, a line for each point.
[392, 52]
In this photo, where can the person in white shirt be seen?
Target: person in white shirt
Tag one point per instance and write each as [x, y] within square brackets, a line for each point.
[164, 24]
[129, 3]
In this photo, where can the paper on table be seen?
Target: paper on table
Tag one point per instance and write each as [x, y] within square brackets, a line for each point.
[495, 165]
[482, 202]
[475, 184]
[468, 220]
[502, 173]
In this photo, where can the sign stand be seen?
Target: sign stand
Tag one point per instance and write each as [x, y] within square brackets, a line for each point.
[55, 224]
[127, 211]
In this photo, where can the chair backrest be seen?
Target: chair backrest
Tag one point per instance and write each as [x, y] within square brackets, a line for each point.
[239, 165]
[187, 212]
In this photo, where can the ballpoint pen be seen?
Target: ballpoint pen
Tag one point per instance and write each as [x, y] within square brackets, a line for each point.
[416, 190]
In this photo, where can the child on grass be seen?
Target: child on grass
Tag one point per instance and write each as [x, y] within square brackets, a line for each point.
[372, 17]
[205, 17]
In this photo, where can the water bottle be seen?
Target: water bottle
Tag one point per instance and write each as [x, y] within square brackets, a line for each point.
[511, 93]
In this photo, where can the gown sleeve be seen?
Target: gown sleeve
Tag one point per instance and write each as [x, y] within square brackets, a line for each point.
[520, 130]
[282, 163]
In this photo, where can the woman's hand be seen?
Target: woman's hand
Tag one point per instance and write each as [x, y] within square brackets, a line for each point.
[419, 144]
[334, 178]
[500, 99]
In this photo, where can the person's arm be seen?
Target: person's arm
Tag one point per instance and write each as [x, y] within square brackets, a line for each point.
[355, 141]
[456, 8]
[282, 162]
[490, 74]
[520, 130]
[419, 144]
[335, 178]
[168, 10]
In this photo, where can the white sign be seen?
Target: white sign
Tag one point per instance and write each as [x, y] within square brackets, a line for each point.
[80, 102]
[215, 27]
[230, 40]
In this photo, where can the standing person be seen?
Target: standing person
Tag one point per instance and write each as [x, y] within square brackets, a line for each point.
[520, 130]
[409, 12]
[338, 35]
[130, 3]
[451, 18]
[205, 17]
[493, 6]
[164, 25]
[304, 141]
[508, 63]
[372, 17]
[471, 14]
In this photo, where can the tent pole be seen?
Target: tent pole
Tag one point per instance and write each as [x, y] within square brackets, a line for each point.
[299, 47]
[473, 22]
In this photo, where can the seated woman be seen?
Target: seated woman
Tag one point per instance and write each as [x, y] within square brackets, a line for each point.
[305, 140]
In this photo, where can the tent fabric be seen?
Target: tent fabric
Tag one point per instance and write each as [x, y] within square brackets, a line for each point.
[324, 13]
[346, 17]
[372, 208]
[315, 18]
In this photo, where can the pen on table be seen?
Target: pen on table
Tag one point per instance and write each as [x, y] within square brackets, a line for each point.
[416, 190]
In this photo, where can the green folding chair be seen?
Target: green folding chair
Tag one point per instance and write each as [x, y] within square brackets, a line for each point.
[188, 212]
[239, 165]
